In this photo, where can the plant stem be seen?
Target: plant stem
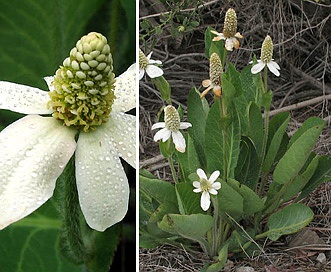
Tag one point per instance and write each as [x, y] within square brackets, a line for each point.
[225, 53]
[173, 170]
[215, 230]
[223, 114]
[266, 130]
[226, 231]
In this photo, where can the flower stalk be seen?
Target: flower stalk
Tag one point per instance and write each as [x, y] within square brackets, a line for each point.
[71, 239]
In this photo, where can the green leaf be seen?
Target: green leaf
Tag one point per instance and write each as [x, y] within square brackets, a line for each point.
[188, 201]
[212, 47]
[307, 125]
[271, 202]
[146, 174]
[322, 174]
[301, 180]
[36, 36]
[121, 15]
[164, 87]
[229, 91]
[249, 94]
[277, 128]
[218, 155]
[234, 77]
[196, 115]
[146, 207]
[247, 170]
[256, 127]
[222, 258]
[167, 148]
[252, 203]
[230, 201]
[194, 226]
[31, 244]
[156, 217]
[240, 240]
[297, 154]
[160, 190]
[188, 161]
[288, 220]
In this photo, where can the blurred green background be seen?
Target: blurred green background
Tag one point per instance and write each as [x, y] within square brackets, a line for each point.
[35, 37]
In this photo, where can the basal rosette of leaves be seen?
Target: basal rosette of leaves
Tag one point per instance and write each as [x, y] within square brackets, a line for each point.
[235, 136]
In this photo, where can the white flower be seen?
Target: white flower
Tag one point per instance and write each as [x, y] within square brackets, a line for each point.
[148, 65]
[230, 33]
[34, 151]
[266, 58]
[171, 127]
[206, 186]
[272, 66]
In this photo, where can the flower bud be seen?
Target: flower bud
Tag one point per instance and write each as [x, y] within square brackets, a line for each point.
[230, 24]
[84, 86]
[171, 118]
[181, 28]
[267, 50]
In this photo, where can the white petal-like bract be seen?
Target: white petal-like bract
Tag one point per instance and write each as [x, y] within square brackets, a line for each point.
[33, 153]
[158, 125]
[154, 71]
[257, 67]
[273, 67]
[102, 184]
[205, 201]
[120, 130]
[23, 99]
[125, 91]
[201, 173]
[179, 141]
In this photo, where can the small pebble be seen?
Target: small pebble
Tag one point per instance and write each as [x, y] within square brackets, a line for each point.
[245, 269]
[321, 258]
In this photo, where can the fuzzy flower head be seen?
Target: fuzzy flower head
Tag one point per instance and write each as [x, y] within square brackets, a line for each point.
[230, 33]
[171, 127]
[84, 86]
[266, 58]
[215, 76]
[207, 187]
[35, 149]
[146, 64]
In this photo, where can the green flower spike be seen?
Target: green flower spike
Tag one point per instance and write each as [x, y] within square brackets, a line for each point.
[84, 86]
[266, 58]
[230, 24]
[230, 33]
[171, 118]
[143, 60]
[267, 49]
[215, 76]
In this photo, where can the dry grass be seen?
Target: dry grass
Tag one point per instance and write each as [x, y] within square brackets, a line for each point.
[301, 34]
